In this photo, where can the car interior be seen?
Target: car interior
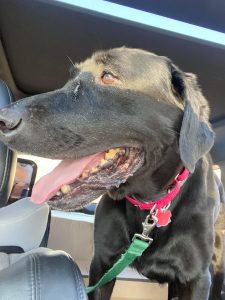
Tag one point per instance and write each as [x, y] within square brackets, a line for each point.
[46, 254]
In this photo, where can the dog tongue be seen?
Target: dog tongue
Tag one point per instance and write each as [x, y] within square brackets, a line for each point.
[66, 172]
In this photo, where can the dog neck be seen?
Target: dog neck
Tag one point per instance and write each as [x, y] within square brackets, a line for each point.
[156, 183]
[151, 182]
[164, 200]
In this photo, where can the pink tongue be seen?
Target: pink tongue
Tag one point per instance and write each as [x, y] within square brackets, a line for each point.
[65, 172]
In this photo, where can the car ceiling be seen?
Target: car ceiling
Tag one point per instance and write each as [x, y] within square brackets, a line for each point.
[39, 36]
[204, 13]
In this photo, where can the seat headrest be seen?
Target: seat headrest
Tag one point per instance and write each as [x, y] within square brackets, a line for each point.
[23, 224]
[7, 156]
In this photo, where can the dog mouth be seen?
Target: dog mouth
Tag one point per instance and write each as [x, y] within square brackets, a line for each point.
[75, 183]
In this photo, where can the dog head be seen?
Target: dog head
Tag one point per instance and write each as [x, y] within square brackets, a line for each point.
[138, 104]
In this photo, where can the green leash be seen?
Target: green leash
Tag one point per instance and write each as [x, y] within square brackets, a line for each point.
[136, 249]
[139, 244]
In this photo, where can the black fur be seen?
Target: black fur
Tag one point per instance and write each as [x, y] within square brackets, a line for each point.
[155, 106]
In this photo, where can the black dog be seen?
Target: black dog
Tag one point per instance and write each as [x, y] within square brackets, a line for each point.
[157, 119]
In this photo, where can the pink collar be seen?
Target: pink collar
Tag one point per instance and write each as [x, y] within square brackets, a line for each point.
[171, 194]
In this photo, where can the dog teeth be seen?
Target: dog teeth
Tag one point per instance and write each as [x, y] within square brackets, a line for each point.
[65, 189]
[94, 170]
[108, 156]
[84, 175]
[111, 153]
[58, 193]
[103, 161]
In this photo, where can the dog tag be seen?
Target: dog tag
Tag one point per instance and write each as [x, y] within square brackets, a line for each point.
[164, 217]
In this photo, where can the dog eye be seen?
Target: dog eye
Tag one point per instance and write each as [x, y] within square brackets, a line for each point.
[108, 78]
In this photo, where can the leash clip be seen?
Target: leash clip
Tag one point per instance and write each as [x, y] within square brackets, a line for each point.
[148, 225]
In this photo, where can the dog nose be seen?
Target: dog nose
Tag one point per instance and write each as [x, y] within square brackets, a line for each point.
[8, 122]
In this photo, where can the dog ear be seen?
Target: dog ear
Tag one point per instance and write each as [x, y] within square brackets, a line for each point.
[196, 135]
